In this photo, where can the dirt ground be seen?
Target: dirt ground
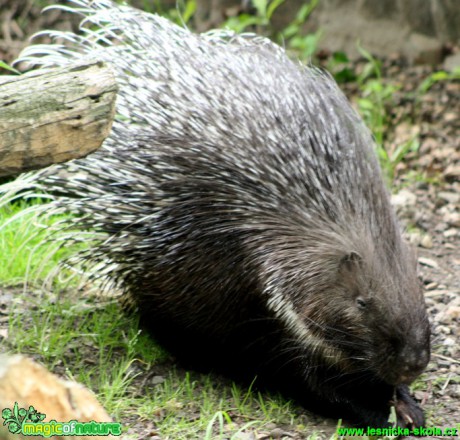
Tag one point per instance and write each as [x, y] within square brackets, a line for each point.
[427, 198]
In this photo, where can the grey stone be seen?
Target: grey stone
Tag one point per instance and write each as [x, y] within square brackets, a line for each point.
[421, 49]
[418, 14]
[452, 62]
[381, 26]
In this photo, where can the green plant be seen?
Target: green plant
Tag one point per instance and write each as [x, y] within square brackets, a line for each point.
[303, 45]
[377, 97]
[340, 67]
[183, 12]
[6, 66]
[261, 20]
[436, 77]
[222, 418]
[26, 257]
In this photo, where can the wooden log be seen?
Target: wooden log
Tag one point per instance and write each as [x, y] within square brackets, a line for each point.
[53, 115]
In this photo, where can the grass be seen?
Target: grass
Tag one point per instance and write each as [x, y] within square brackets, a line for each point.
[374, 104]
[7, 67]
[89, 339]
[23, 255]
[437, 77]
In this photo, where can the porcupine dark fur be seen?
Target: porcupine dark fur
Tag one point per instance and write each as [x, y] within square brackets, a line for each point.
[242, 211]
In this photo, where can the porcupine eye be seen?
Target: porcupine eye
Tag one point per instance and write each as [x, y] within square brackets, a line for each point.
[361, 303]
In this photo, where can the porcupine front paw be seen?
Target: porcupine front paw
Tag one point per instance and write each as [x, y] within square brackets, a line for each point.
[408, 412]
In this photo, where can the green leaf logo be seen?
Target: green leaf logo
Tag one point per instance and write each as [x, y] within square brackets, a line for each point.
[16, 417]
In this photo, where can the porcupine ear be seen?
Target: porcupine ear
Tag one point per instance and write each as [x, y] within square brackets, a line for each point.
[350, 262]
[349, 271]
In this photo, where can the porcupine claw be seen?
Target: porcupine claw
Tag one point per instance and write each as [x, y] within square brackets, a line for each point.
[409, 413]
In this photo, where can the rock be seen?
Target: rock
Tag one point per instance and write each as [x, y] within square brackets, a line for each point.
[451, 233]
[452, 172]
[452, 62]
[453, 219]
[426, 242]
[428, 262]
[450, 341]
[30, 384]
[156, 380]
[449, 197]
[421, 49]
[415, 238]
[405, 204]
[404, 198]
[418, 28]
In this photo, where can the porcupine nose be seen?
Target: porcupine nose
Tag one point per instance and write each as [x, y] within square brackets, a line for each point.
[413, 361]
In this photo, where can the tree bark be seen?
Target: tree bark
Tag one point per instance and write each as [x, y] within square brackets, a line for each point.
[53, 115]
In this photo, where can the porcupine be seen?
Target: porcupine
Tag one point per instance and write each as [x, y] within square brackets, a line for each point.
[245, 216]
